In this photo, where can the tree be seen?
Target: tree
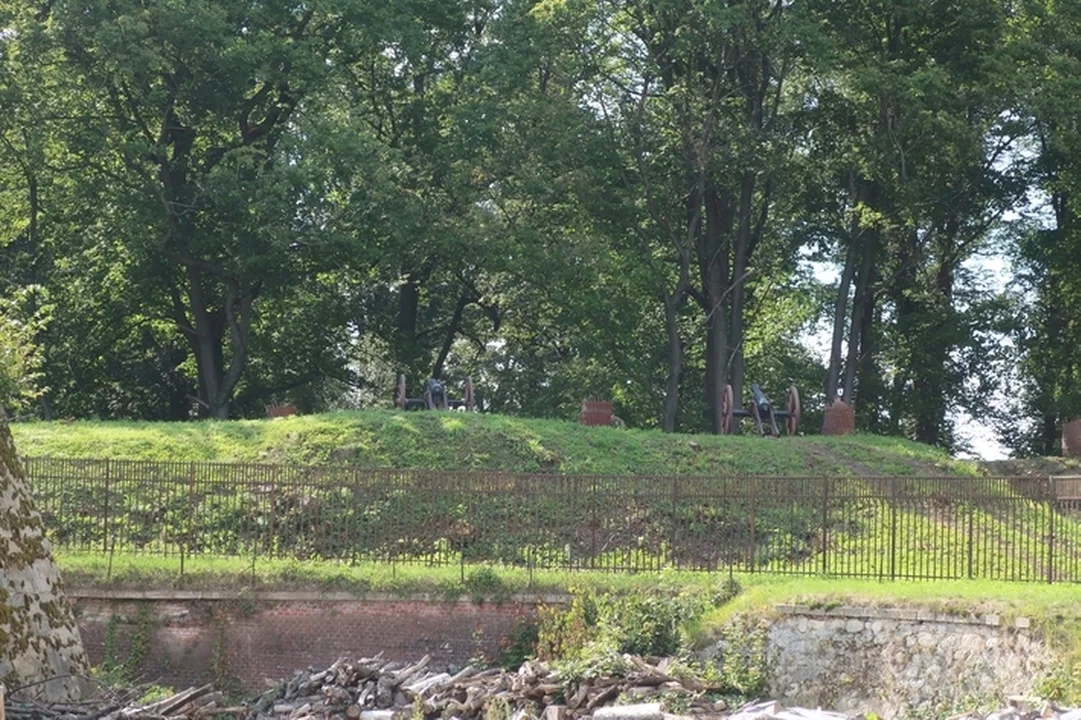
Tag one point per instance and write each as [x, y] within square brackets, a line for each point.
[1047, 392]
[913, 211]
[40, 644]
[196, 110]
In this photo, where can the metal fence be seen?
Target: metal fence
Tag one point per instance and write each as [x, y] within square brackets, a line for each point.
[889, 528]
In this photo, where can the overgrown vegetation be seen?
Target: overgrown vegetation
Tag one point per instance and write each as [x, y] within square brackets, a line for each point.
[591, 636]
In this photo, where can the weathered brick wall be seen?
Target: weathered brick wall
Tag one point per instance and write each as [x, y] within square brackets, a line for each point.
[179, 639]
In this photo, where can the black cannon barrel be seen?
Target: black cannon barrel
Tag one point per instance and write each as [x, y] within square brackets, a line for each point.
[759, 398]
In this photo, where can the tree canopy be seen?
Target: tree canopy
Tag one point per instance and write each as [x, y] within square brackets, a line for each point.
[210, 207]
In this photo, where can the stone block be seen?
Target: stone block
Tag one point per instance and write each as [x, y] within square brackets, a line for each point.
[642, 711]
[1071, 438]
[1023, 623]
[377, 715]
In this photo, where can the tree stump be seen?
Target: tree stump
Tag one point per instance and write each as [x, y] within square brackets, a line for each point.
[38, 636]
[1071, 438]
[838, 419]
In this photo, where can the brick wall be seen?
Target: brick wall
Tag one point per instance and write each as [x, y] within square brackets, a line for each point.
[179, 639]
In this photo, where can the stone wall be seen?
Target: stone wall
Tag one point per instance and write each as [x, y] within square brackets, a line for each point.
[890, 661]
[179, 638]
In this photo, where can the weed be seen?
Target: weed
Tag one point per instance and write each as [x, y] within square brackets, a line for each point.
[497, 708]
[484, 583]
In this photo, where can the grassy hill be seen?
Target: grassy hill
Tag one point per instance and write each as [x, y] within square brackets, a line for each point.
[457, 441]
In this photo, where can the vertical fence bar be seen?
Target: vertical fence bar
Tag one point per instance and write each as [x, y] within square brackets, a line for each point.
[825, 525]
[592, 523]
[893, 528]
[1052, 496]
[971, 523]
[105, 513]
[751, 541]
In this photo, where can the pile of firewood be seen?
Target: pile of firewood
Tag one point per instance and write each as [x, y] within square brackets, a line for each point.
[375, 689]
[191, 704]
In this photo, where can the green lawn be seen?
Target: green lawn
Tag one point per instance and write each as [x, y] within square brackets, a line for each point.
[455, 441]
[760, 592]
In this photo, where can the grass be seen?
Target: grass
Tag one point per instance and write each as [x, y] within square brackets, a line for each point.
[144, 572]
[455, 441]
[760, 592]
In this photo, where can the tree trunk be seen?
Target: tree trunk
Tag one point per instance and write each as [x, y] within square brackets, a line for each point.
[713, 269]
[452, 332]
[936, 345]
[870, 380]
[675, 363]
[739, 269]
[206, 337]
[840, 314]
[408, 309]
[860, 309]
[38, 635]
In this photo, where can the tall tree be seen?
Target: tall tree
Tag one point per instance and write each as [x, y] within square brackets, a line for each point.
[917, 210]
[197, 105]
[1049, 254]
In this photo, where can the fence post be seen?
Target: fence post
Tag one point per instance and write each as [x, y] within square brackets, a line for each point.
[751, 541]
[105, 518]
[971, 524]
[1052, 497]
[592, 523]
[893, 528]
[271, 525]
[185, 541]
[825, 525]
[672, 538]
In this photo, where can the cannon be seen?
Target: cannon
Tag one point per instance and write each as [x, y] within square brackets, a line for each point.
[435, 397]
[762, 411]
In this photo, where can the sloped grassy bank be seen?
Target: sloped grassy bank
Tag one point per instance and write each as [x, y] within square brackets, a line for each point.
[458, 441]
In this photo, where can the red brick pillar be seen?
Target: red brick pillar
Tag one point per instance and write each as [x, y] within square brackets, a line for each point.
[596, 412]
[838, 419]
[1071, 438]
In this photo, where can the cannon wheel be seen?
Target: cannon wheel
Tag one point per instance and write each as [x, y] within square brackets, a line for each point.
[399, 395]
[792, 406]
[470, 402]
[727, 411]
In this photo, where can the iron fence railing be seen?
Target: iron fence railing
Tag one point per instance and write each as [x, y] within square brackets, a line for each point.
[889, 528]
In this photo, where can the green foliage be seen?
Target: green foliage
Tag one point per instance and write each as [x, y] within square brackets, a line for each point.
[520, 644]
[742, 647]
[726, 590]
[155, 693]
[484, 583]
[20, 356]
[610, 625]
[497, 708]
[230, 207]
[123, 672]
